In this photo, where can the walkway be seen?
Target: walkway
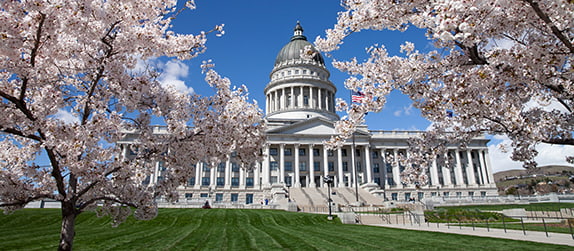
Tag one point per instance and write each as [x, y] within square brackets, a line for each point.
[553, 238]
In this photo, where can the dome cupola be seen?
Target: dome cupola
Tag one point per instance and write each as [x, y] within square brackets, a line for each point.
[292, 51]
[299, 88]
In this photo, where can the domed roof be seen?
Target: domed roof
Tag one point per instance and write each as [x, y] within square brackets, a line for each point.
[293, 49]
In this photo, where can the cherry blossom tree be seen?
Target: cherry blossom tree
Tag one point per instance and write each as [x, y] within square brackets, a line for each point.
[500, 67]
[82, 59]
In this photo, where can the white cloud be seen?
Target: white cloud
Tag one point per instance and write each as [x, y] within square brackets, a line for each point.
[66, 117]
[170, 77]
[547, 154]
[406, 110]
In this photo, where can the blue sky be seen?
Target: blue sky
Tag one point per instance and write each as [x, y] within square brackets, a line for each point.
[256, 30]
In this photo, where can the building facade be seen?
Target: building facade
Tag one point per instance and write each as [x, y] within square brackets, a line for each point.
[300, 112]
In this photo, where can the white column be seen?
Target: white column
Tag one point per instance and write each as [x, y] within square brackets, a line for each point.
[446, 176]
[368, 165]
[277, 101]
[265, 167]
[198, 168]
[470, 168]
[227, 173]
[483, 174]
[396, 169]
[311, 101]
[384, 167]
[458, 169]
[340, 167]
[297, 178]
[212, 172]
[434, 173]
[242, 178]
[325, 165]
[311, 167]
[488, 168]
[281, 178]
[292, 99]
[256, 174]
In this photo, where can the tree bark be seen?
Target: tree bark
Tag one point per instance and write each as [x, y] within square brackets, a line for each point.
[68, 230]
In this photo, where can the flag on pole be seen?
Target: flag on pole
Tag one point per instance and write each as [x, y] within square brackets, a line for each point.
[357, 97]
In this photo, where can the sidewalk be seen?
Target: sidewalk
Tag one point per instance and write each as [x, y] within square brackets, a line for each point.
[553, 238]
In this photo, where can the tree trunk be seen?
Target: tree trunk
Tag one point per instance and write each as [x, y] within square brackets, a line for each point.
[68, 230]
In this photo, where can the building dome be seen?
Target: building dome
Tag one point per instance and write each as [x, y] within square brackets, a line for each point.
[293, 49]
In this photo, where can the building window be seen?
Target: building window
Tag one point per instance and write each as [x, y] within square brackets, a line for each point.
[378, 180]
[345, 166]
[331, 166]
[191, 181]
[273, 151]
[389, 168]
[221, 167]
[218, 197]
[206, 169]
[203, 195]
[303, 166]
[471, 194]
[305, 100]
[446, 194]
[304, 71]
[274, 165]
[420, 195]
[375, 155]
[482, 194]
[234, 197]
[205, 181]
[249, 182]
[359, 166]
[316, 152]
[288, 180]
[220, 181]
[235, 182]
[273, 180]
[296, 71]
[317, 166]
[394, 196]
[301, 152]
[376, 168]
[287, 151]
[188, 195]
[330, 153]
[433, 194]
[408, 197]
[458, 194]
[249, 198]
[357, 152]
[234, 167]
[288, 166]
[390, 181]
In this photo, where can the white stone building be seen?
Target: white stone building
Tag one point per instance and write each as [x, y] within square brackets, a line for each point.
[300, 113]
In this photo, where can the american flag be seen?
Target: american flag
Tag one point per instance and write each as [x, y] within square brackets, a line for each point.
[357, 97]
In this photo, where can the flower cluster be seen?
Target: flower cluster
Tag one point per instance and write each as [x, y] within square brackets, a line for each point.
[501, 67]
[79, 58]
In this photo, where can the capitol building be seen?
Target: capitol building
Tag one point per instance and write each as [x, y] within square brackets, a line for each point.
[300, 113]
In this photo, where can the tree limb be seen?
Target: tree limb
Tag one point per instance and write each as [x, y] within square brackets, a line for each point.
[550, 24]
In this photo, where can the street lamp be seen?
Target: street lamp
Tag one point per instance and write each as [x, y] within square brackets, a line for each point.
[329, 180]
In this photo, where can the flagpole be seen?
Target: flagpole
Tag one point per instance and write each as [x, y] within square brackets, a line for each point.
[353, 164]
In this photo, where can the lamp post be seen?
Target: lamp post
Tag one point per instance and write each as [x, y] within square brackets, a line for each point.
[329, 180]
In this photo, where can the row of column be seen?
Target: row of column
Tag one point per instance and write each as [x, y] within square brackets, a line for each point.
[300, 97]
[338, 170]
[262, 173]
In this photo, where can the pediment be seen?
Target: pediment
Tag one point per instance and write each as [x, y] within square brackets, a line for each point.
[313, 126]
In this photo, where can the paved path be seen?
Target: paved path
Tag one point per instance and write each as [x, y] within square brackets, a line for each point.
[553, 238]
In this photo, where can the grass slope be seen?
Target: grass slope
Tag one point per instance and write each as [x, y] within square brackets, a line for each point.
[228, 229]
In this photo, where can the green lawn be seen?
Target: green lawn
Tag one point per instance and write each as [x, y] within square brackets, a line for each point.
[233, 229]
[547, 206]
